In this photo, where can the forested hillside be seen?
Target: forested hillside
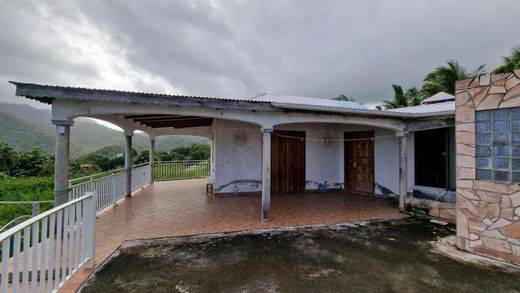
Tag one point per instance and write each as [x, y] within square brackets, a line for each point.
[24, 127]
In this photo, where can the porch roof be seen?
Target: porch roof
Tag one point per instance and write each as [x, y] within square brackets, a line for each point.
[48, 93]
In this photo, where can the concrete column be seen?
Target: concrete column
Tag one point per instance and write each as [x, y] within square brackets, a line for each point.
[128, 163]
[266, 172]
[403, 171]
[152, 157]
[61, 164]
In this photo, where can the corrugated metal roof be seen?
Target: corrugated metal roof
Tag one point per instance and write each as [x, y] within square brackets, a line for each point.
[427, 108]
[264, 102]
[439, 97]
[297, 100]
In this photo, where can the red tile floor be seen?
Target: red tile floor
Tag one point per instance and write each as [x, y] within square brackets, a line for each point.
[180, 208]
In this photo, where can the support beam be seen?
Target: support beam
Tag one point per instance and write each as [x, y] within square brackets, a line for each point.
[266, 172]
[128, 163]
[403, 171]
[61, 163]
[152, 157]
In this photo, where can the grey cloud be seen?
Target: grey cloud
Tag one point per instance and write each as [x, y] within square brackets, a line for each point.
[240, 48]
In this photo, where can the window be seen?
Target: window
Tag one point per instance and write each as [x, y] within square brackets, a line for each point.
[498, 145]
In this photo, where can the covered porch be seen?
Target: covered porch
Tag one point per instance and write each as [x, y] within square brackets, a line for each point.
[181, 208]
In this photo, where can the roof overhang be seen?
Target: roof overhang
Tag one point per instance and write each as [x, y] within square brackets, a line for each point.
[49, 93]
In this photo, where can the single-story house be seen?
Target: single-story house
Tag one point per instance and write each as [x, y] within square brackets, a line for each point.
[279, 144]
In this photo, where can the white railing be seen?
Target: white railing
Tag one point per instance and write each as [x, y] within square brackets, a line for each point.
[110, 188]
[42, 253]
[180, 170]
[141, 175]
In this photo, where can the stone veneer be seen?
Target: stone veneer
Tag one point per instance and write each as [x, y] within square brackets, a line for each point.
[488, 213]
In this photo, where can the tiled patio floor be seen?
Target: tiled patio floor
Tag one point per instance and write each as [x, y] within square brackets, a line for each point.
[179, 208]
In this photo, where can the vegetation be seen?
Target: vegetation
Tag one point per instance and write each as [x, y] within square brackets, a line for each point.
[24, 189]
[344, 97]
[412, 97]
[510, 63]
[442, 79]
[24, 127]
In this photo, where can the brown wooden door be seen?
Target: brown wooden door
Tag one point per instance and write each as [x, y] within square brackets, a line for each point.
[359, 161]
[287, 162]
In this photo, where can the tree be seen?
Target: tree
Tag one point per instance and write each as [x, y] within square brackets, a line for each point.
[443, 78]
[344, 97]
[142, 157]
[510, 63]
[33, 163]
[8, 158]
[412, 97]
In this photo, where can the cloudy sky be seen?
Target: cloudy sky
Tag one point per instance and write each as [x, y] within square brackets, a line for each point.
[242, 48]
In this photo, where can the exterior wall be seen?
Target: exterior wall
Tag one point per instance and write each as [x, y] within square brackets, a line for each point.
[238, 157]
[488, 213]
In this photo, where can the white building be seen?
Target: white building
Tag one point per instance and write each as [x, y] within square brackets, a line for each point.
[278, 144]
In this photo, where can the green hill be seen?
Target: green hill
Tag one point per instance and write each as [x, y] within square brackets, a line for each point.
[24, 127]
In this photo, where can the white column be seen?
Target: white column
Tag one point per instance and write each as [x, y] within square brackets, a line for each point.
[403, 171]
[152, 157]
[61, 163]
[266, 172]
[128, 163]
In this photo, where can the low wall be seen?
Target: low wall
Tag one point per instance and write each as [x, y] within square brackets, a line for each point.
[488, 194]
[442, 210]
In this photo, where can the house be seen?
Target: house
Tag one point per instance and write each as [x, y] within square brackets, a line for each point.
[275, 144]
[453, 158]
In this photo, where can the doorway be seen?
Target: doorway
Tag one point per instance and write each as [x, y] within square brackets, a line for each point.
[288, 161]
[359, 161]
[432, 158]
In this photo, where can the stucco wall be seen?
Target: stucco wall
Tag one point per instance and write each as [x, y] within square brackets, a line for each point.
[488, 211]
[238, 157]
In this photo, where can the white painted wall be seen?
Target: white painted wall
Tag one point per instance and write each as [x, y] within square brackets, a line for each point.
[238, 156]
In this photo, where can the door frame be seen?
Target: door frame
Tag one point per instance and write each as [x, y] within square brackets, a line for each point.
[369, 133]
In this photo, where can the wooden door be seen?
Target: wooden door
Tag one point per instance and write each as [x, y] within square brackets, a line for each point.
[359, 161]
[287, 162]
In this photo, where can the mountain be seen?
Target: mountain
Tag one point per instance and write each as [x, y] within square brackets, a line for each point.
[24, 127]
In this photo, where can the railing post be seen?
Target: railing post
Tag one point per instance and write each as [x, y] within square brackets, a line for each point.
[35, 209]
[89, 221]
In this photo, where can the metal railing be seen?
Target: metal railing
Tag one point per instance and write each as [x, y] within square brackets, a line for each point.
[35, 211]
[42, 253]
[110, 188]
[141, 175]
[180, 170]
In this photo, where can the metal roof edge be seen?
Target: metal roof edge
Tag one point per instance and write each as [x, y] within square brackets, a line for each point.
[362, 111]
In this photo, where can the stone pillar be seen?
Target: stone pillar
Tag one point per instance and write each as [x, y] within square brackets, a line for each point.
[128, 163]
[403, 171]
[266, 172]
[61, 164]
[152, 157]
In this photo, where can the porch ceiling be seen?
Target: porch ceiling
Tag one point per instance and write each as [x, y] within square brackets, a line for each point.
[163, 120]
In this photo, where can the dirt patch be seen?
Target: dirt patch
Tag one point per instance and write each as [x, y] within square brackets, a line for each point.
[405, 255]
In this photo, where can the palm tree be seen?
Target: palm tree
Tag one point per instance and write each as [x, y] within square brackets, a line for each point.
[511, 62]
[399, 100]
[414, 96]
[443, 78]
[344, 97]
